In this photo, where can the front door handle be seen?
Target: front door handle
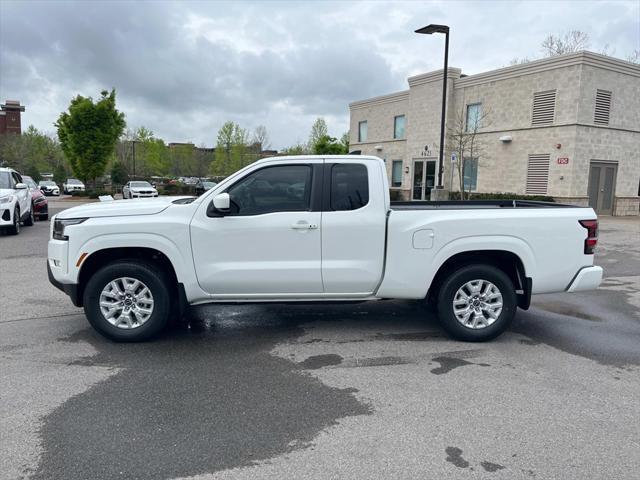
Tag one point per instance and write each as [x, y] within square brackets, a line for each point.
[302, 225]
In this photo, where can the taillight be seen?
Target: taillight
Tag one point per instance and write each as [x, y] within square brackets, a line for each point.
[592, 235]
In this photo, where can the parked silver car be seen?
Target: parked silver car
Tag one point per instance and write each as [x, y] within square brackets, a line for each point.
[138, 189]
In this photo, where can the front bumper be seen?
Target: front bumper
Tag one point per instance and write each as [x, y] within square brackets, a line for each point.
[143, 195]
[70, 289]
[41, 208]
[587, 278]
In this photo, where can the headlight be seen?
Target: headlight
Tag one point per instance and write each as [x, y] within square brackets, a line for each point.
[6, 199]
[59, 224]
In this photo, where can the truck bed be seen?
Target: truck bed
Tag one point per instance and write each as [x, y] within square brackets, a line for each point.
[472, 204]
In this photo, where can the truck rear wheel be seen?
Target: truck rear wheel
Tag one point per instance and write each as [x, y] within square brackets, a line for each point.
[127, 301]
[476, 303]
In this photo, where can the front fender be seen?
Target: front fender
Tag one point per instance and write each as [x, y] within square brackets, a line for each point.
[177, 257]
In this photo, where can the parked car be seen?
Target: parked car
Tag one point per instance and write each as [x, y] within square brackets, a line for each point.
[39, 202]
[133, 266]
[204, 185]
[15, 201]
[49, 187]
[139, 189]
[72, 185]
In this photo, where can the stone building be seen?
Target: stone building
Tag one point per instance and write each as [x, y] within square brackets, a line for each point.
[10, 113]
[565, 126]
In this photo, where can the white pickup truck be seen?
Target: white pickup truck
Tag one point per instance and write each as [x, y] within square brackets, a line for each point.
[312, 229]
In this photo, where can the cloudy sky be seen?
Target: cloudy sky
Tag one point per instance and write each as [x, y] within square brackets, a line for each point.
[183, 68]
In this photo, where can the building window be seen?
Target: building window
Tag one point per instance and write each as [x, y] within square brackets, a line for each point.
[474, 112]
[470, 173]
[396, 173]
[362, 131]
[537, 174]
[603, 107]
[398, 126]
[544, 108]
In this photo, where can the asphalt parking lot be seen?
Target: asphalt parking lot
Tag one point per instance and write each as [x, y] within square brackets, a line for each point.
[330, 391]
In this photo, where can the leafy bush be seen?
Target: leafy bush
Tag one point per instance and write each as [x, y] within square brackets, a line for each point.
[395, 195]
[93, 194]
[176, 189]
[503, 196]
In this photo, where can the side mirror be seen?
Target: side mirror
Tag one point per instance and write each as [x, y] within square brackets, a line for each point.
[222, 202]
[21, 186]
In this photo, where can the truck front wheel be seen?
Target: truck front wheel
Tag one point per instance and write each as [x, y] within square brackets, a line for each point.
[127, 301]
[476, 303]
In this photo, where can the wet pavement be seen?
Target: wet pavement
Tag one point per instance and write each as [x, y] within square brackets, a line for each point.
[323, 391]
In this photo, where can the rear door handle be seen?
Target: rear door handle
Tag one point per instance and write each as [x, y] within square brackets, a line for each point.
[302, 225]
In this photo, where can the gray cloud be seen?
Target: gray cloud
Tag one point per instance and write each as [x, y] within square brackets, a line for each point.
[182, 69]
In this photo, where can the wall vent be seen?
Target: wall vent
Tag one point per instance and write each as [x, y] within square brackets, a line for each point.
[538, 174]
[544, 108]
[603, 107]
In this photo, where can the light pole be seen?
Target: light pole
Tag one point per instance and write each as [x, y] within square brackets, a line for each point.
[429, 30]
[133, 147]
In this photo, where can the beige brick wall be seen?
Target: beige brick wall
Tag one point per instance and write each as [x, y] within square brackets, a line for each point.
[507, 94]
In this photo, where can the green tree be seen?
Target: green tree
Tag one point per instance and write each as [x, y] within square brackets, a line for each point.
[59, 174]
[88, 133]
[297, 149]
[318, 131]
[231, 149]
[119, 174]
[327, 145]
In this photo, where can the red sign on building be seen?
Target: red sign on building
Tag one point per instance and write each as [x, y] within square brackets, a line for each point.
[563, 161]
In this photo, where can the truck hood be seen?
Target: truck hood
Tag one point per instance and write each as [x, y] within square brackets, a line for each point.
[119, 208]
[6, 191]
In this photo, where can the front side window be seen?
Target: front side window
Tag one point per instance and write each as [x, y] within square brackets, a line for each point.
[362, 131]
[285, 188]
[474, 112]
[398, 126]
[349, 186]
[16, 178]
[470, 173]
[396, 173]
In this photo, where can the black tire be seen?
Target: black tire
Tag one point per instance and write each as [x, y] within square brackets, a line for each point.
[30, 220]
[15, 228]
[147, 274]
[458, 279]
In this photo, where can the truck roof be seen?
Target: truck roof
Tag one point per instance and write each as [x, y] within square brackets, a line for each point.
[317, 157]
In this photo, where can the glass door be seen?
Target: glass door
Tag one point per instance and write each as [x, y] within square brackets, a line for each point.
[424, 179]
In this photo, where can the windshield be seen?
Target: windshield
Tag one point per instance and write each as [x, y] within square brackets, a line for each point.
[73, 181]
[209, 184]
[47, 183]
[141, 184]
[5, 180]
[29, 181]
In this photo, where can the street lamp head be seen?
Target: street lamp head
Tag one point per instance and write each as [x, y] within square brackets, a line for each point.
[433, 28]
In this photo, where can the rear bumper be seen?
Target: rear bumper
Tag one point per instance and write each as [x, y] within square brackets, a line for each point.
[70, 289]
[588, 278]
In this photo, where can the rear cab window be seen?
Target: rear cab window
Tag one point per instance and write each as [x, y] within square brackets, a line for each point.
[349, 189]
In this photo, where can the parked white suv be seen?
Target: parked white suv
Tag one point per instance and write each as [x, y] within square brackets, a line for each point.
[15, 201]
[139, 189]
[72, 185]
[317, 228]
